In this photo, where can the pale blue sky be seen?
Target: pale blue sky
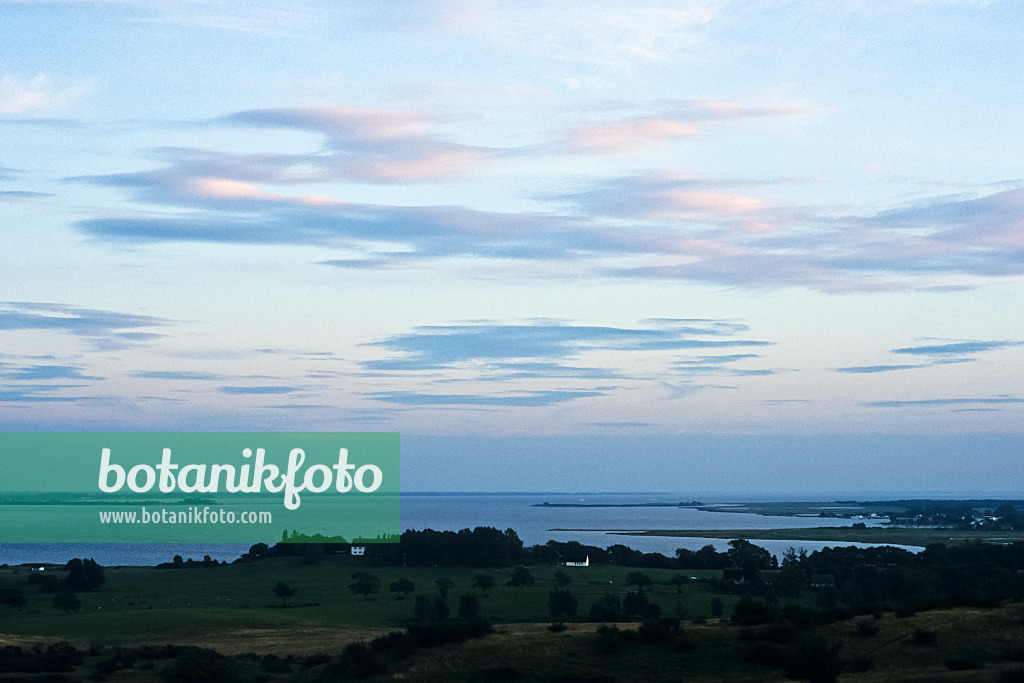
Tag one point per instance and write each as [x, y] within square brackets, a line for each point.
[722, 231]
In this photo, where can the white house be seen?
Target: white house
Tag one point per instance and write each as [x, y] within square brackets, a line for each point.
[584, 563]
[359, 550]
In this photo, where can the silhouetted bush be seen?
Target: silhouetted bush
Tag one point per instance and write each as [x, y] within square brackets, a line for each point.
[498, 673]
[312, 661]
[120, 658]
[768, 654]
[399, 643]
[801, 617]
[357, 660]
[441, 633]
[964, 664]
[815, 660]
[201, 665]
[576, 678]
[273, 664]
[658, 632]
[924, 637]
[867, 628]
[609, 639]
[861, 664]
[59, 657]
[160, 651]
[751, 612]
[779, 634]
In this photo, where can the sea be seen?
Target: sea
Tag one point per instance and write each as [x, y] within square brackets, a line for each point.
[534, 522]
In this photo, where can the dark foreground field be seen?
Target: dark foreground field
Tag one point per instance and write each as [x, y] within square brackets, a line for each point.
[226, 624]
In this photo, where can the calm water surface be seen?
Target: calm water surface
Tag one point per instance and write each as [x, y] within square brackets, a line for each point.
[533, 524]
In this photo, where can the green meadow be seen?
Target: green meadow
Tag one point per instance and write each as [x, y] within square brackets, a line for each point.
[138, 604]
[233, 610]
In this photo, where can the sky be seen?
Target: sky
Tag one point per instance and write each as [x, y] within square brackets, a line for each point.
[702, 246]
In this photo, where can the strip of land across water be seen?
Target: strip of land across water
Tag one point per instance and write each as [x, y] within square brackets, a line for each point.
[870, 535]
[912, 522]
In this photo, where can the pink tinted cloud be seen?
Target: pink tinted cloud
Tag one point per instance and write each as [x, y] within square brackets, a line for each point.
[628, 135]
[363, 145]
[428, 164]
[689, 204]
[227, 191]
[356, 124]
[681, 119]
[721, 109]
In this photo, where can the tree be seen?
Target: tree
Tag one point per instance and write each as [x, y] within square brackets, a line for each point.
[639, 579]
[469, 607]
[84, 575]
[607, 608]
[364, 584]
[745, 554]
[424, 608]
[717, 607]
[709, 558]
[679, 580]
[562, 579]
[403, 586]
[444, 584]
[313, 553]
[792, 556]
[441, 610]
[256, 551]
[816, 661]
[521, 578]
[635, 605]
[67, 601]
[283, 591]
[791, 581]
[483, 581]
[561, 604]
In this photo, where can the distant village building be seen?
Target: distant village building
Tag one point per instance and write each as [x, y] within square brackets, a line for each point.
[577, 563]
[359, 550]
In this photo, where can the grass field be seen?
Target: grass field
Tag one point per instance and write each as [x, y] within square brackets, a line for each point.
[232, 609]
[233, 602]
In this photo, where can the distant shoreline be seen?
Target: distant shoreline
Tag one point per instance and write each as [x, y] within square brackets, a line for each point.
[545, 504]
[870, 535]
